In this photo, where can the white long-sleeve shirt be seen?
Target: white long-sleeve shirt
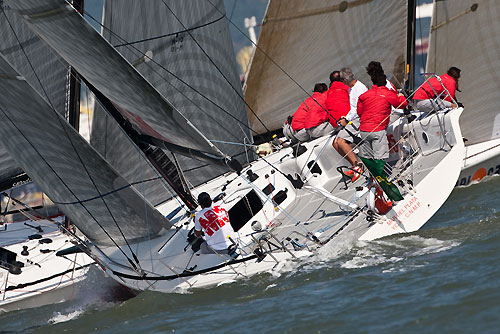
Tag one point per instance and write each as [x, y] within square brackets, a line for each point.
[354, 93]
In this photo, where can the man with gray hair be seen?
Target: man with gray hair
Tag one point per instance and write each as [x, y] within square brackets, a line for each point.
[351, 120]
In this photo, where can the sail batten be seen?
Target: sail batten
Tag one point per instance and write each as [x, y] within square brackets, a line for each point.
[309, 40]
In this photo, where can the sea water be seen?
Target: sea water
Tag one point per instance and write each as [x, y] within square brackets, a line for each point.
[444, 278]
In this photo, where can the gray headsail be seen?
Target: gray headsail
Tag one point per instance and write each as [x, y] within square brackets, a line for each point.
[65, 31]
[9, 169]
[310, 39]
[465, 34]
[105, 207]
[183, 48]
[24, 49]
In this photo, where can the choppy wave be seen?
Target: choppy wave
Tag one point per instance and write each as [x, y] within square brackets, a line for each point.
[60, 317]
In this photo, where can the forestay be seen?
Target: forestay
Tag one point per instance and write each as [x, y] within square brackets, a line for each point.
[310, 39]
[183, 48]
[465, 34]
[64, 29]
[75, 177]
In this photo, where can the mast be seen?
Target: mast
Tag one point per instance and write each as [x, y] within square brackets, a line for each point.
[74, 84]
[74, 94]
[410, 45]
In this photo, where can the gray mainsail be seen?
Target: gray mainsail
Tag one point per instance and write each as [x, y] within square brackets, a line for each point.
[117, 148]
[105, 207]
[465, 34]
[310, 39]
[189, 60]
[62, 28]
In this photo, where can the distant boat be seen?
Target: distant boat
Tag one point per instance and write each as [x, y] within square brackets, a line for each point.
[31, 274]
[284, 206]
[465, 34]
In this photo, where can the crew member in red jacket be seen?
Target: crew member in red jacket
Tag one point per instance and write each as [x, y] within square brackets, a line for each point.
[316, 123]
[338, 106]
[311, 111]
[374, 110]
[433, 89]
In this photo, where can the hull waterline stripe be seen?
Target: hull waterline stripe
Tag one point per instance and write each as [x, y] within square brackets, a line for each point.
[23, 285]
[184, 274]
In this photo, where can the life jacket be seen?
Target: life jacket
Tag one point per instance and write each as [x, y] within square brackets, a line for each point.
[378, 201]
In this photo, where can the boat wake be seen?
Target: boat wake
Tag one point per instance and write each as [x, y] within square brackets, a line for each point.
[363, 254]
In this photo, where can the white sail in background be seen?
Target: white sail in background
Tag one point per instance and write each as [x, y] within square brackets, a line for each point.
[465, 34]
[309, 40]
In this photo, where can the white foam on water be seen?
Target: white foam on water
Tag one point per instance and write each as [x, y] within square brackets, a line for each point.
[60, 317]
[270, 286]
[391, 251]
[226, 282]
[360, 254]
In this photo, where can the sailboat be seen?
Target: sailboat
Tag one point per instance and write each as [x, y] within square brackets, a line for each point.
[464, 33]
[31, 272]
[284, 206]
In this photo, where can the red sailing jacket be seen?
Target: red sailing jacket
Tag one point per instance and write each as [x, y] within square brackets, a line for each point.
[374, 108]
[425, 92]
[317, 113]
[310, 112]
[337, 101]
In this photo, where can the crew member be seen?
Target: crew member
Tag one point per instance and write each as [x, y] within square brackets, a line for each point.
[310, 114]
[443, 92]
[213, 223]
[338, 106]
[351, 120]
[374, 110]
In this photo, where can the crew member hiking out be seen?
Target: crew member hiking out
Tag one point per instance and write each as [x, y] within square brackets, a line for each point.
[374, 110]
[309, 114]
[433, 89]
[213, 223]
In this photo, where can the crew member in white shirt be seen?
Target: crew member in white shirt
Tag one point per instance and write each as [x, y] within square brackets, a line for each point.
[212, 222]
[351, 120]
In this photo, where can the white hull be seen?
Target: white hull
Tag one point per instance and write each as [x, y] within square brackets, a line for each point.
[321, 212]
[480, 160]
[44, 278]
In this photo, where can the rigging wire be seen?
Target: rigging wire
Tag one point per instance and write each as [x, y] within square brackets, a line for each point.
[74, 149]
[169, 34]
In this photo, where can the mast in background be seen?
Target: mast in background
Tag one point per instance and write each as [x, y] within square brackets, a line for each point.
[410, 46]
[74, 84]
